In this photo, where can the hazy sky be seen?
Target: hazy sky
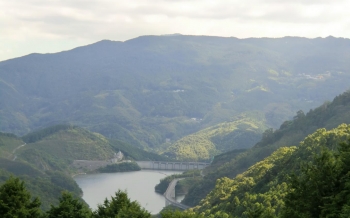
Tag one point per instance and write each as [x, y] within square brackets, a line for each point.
[42, 26]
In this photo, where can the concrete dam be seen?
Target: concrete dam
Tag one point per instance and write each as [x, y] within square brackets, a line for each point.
[163, 165]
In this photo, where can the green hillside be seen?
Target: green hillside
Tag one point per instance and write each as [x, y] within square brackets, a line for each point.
[57, 150]
[152, 89]
[187, 97]
[243, 132]
[262, 189]
[309, 180]
[329, 115]
[47, 185]
[8, 143]
[43, 158]
[56, 147]
[135, 153]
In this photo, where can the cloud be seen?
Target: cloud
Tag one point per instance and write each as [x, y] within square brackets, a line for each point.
[89, 21]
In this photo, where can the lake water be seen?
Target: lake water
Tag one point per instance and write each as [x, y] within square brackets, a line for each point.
[139, 186]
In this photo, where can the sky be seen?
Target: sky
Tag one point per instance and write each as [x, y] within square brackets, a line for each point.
[47, 26]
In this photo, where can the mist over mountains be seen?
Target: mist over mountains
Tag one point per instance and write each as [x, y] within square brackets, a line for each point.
[153, 90]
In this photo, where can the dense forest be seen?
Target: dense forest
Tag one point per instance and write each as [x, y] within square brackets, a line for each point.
[310, 180]
[152, 91]
[230, 164]
[44, 159]
[243, 132]
[16, 201]
[236, 103]
[257, 182]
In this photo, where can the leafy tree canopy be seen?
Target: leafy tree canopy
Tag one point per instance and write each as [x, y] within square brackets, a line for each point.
[120, 206]
[15, 201]
[69, 207]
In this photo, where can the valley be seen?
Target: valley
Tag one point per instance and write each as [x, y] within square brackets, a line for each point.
[233, 105]
[152, 91]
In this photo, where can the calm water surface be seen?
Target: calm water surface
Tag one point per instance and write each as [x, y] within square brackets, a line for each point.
[139, 185]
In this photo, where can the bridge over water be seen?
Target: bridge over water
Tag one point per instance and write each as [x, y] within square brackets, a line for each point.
[164, 165]
[170, 196]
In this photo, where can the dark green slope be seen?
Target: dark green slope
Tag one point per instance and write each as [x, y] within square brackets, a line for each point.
[56, 147]
[8, 143]
[242, 132]
[328, 116]
[135, 153]
[47, 185]
[262, 189]
[146, 90]
[43, 158]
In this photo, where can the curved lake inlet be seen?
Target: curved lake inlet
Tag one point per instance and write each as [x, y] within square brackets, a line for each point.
[139, 186]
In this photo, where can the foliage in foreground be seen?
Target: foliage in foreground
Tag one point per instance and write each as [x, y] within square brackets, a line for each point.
[120, 206]
[69, 207]
[43, 159]
[329, 116]
[311, 180]
[15, 200]
[46, 185]
[322, 188]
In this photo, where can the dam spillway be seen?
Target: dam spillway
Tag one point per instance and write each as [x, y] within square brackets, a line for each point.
[164, 165]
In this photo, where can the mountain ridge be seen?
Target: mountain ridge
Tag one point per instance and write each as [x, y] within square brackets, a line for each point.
[146, 90]
[329, 115]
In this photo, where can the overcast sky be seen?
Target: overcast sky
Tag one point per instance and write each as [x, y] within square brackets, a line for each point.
[45, 26]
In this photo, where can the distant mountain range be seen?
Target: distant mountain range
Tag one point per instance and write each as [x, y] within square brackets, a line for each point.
[153, 90]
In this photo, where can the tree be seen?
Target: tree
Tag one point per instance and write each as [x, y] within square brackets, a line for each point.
[133, 211]
[300, 115]
[15, 201]
[69, 207]
[170, 213]
[323, 187]
[120, 206]
[268, 136]
[340, 201]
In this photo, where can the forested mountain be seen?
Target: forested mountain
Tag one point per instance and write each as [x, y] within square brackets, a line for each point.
[156, 89]
[17, 201]
[46, 184]
[310, 180]
[56, 147]
[241, 133]
[187, 97]
[43, 159]
[329, 115]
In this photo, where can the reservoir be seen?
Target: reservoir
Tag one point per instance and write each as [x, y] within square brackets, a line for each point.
[138, 184]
